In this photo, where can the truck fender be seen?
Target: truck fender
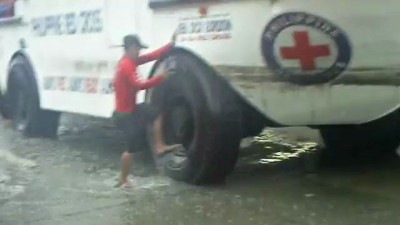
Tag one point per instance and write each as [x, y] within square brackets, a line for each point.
[253, 120]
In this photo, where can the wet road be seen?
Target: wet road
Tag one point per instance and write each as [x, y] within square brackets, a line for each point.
[70, 181]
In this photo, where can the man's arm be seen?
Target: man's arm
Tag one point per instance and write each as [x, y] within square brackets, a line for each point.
[154, 55]
[140, 84]
[129, 74]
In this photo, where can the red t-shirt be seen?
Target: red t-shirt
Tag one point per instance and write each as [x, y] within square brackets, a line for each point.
[127, 83]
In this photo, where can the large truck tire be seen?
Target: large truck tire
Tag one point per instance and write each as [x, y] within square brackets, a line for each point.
[2, 106]
[23, 100]
[374, 139]
[201, 112]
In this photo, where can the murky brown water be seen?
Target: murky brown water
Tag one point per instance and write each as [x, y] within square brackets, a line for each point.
[70, 181]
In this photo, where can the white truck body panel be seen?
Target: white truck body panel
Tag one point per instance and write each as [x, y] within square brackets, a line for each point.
[369, 25]
[70, 45]
[82, 49]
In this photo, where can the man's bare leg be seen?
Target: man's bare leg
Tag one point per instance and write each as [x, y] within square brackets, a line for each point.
[7, 122]
[126, 163]
[161, 148]
[159, 143]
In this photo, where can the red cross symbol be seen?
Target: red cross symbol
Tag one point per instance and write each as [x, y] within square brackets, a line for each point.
[304, 51]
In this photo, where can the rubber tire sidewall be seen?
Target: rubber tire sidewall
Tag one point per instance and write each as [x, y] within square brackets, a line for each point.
[21, 82]
[214, 149]
[40, 123]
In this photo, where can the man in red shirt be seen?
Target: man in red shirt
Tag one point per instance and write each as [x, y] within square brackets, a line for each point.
[133, 118]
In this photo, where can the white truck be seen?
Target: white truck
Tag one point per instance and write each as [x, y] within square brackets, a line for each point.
[240, 66]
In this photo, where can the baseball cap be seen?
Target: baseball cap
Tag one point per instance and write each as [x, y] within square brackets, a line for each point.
[133, 39]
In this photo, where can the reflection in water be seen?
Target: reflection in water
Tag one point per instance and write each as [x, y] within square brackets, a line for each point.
[73, 184]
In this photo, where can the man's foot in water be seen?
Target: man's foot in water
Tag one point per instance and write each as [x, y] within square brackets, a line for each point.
[123, 185]
[170, 154]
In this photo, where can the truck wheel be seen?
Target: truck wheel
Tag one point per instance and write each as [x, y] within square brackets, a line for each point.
[23, 99]
[3, 106]
[201, 112]
[376, 138]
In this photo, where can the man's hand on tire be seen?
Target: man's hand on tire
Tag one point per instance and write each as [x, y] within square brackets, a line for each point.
[165, 73]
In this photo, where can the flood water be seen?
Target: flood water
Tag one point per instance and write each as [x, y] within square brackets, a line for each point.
[277, 182]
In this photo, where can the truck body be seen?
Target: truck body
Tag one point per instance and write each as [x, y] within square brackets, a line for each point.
[71, 47]
[297, 63]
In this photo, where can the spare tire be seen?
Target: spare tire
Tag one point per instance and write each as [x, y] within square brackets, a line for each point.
[200, 111]
[23, 100]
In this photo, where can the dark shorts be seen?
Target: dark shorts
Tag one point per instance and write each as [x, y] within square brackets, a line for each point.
[134, 125]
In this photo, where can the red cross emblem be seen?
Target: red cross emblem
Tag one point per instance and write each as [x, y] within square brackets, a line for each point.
[304, 51]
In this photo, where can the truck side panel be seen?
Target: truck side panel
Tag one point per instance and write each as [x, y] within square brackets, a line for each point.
[356, 95]
[72, 51]
[74, 48]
